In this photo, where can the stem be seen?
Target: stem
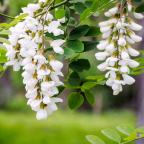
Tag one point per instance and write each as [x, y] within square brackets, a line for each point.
[59, 4]
[7, 16]
[132, 140]
[53, 7]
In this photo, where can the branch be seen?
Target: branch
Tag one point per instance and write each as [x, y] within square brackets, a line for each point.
[133, 140]
[53, 7]
[4, 15]
[59, 4]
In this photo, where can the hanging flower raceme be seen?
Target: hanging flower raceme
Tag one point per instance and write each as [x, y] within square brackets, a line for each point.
[27, 50]
[116, 46]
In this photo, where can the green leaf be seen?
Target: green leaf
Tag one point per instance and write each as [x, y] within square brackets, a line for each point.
[140, 8]
[94, 139]
[4, 32]
[99, 77]
[74, 79]
[97, 6]
[131, 137]
[72, 22]
[112, 134]
[75, 100]
[80, 65]
[126, 130]
[90, 97]
[88, 46]
[3, 57]
[75, 45]
[93, 31]
[60, 13]
[69, 53]
[78, 32]
[79, 7]
[4, 40]
[50, 35]
[88, 85]
[1, 68]
[14, 22]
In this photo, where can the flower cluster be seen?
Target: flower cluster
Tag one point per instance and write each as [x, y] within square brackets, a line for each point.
[118, 36]
[41, 71]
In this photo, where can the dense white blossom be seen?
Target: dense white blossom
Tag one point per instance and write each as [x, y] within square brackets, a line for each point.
[116, 47]
[41, 73]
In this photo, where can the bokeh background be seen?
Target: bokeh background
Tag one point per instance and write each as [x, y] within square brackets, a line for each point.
[19, 126]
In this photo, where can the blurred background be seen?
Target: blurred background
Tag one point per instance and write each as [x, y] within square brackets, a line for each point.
[18, 124]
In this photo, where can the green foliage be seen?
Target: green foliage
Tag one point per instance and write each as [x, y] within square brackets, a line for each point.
[112, 135]
[97, 6]
[94, 139]
[6, 26]
[64, 127]
[75, 45]
[130, 134]
[59, 13]
[79, 32]
[74, 79]
[89, 96]
[80, 65]
[140, 8]
[140, 68]
[75, 100]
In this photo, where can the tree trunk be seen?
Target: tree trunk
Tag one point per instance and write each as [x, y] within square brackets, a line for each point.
[140, 93]
[5, 84]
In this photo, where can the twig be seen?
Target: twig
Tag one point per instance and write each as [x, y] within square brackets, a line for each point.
[133, 140]
[7, 16]
[53, 7]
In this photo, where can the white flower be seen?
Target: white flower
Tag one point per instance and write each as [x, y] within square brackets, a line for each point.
[111, 61]
[111, 12]
[41, 114]
[104, 24]
[124, 55]
[102, 45]
[41, 73]
[124, 69]
[40, 59]
[31, 93]
[53, 28]
[102, 67]
[128, 79]
[110, 48]
[133, 63]
[56, 45]
[47, 85]
[138, 15]
[106, 34]
[122, 41]
[30, 9]
[136, 38]
[134, 26]
[30, 67]
[56, 65]
[105, 29]
[129, 7]
[27, 50]
[129, 40]
[43, 1]
[46, 100]
[133, 52]
[117, 34]
[101, 55]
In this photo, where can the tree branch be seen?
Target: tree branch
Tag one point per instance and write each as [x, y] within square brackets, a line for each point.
[59, 4]
[4, 15]
[53, 7]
